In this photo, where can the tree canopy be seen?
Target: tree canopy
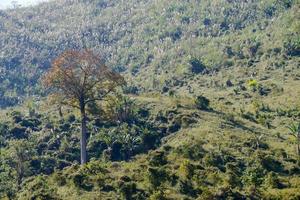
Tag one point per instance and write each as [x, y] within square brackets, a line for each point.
[81, 77]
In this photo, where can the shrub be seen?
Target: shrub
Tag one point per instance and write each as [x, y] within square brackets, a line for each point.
[292, 45]
[17, 116]
[59, 179]
[194, 152]
[158, 195]
[174, 127]
[30, 123]
[186, 169]
[174, 34]
[196, 66]
[127, 189]
[269, 163]
[96, 147]
[48, 164]
[18, 132]
[156, 176]
[186, 187]
[264, 120]
[38, 189]
[149, 139]
[272, 181]
[158, 159]
[131, 89]
[116, 151]
[253, 85]
[202, 103]
[232, 180]
[80, 180]
[121, 109]
[253, 176]
[71, 118]
[213, 159]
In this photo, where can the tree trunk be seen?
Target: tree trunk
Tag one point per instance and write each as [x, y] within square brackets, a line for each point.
[20, 174]
[83, 136]
[298, 147]
[60, 112]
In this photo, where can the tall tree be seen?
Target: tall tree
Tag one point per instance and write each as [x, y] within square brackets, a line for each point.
[81, 77]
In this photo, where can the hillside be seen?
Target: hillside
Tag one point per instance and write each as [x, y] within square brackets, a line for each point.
[212, 93]
[138, 38]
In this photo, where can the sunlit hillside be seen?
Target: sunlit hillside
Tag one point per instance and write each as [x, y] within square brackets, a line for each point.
[177, 99]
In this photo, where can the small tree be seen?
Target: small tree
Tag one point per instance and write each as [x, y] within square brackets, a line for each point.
[81, 78]
[121, 109]
[295, 132]
[20, 153]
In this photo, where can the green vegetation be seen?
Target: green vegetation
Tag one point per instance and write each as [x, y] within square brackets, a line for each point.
[210, 108]
[165, 39]
[295, 132]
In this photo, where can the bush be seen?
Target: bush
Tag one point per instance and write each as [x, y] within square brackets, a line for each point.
[174, 127]
[80, 180]
[38, 189]
[186, 169]
[196, 66]
[48, 164]
[121, 109]
[157, 175]
[19, 132]
[202, 103]
[232, 180]
[30, 123]
[292, 46]
[60, 179]
[149, 139]
[253, 85]
[272, 181]
[116, 153]
[131, 89]
[271, 164]
[158, 195]
[158, 159]
[71, 118]
[17, 116]
[193, 152]
[253, 176]
[96, 147]
[213, 159]
[186, 187]
[127, 189]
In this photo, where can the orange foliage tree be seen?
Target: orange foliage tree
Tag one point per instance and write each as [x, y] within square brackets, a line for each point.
[81, 77]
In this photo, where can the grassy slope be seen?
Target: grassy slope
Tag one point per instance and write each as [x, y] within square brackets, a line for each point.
[222, 132]
[216, 132]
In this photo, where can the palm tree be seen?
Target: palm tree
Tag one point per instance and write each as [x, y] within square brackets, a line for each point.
[295, 132]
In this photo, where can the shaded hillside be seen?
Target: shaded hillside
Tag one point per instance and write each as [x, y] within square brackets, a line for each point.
[162, 38]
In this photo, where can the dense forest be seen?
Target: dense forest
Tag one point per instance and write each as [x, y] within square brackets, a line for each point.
[181, 99]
